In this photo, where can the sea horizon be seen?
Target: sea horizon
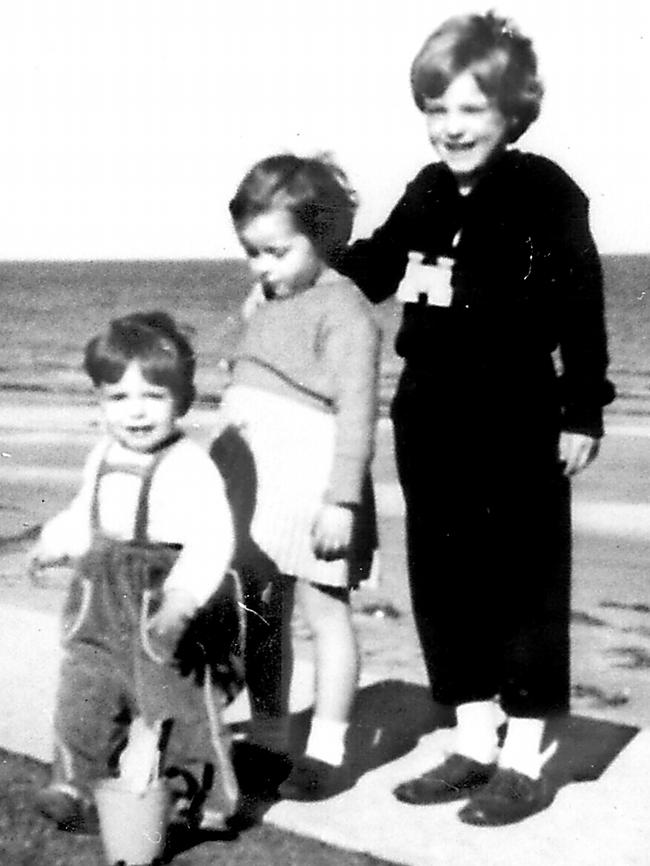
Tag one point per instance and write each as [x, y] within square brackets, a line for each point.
[52, 308]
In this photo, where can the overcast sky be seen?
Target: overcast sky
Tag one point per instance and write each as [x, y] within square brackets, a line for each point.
[127, 124]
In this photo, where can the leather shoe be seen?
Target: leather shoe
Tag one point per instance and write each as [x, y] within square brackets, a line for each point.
[311, 779]
[456, 777]
[508, 797]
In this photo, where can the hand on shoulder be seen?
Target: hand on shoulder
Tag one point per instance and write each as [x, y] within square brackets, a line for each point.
[577, 451]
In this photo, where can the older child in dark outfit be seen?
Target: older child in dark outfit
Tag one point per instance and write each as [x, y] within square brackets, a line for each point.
[490, 250]
[152, 535]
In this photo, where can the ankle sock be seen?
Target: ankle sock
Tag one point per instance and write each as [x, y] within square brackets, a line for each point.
[476, 731]
[522, 745]
[327, 740]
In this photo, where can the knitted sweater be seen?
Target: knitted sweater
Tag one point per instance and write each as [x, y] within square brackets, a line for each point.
[526, 281]
[321, 347]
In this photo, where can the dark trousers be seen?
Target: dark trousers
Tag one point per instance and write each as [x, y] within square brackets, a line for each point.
[488, 544]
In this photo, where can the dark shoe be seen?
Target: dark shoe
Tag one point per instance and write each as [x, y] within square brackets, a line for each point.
[71, 813]
[311, 779]
[456, 777]
[508, 797]
[259, 771]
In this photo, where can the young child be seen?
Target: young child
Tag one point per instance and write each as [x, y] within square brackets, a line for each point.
[303, 399]
[490, 251]
[151, 534]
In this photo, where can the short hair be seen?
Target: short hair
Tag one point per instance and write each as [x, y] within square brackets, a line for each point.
[500, 58]
[314, 190]
[153, 340]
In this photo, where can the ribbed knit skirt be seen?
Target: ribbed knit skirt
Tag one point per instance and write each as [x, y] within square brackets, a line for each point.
[292, 445]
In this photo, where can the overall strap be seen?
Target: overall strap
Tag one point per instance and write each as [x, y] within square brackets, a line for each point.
[140, 530]
[145, 473]
[104, 468]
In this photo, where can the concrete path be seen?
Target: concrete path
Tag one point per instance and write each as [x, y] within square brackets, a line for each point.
[601, 821]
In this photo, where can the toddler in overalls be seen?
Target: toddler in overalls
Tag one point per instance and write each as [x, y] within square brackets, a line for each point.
[151, 535]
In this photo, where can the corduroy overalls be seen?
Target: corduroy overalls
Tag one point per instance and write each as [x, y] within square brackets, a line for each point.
[112, 669]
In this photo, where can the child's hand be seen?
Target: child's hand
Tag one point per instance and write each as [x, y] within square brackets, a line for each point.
[177, 608]
[577, 451]
[332, 532]
[40, 558]
[254, 300]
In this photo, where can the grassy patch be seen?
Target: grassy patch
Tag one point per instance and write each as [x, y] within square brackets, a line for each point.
[27, 839]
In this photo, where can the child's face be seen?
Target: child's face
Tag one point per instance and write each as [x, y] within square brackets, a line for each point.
[139, 415]
[465, 127]
[283, 259]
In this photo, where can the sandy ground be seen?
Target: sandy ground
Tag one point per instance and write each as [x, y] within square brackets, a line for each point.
[43, 442]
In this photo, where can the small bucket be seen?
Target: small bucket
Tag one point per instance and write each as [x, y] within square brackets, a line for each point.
[132, 824]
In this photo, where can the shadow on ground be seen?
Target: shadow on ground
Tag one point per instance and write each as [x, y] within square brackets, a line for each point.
[586, 747]
[390, 716]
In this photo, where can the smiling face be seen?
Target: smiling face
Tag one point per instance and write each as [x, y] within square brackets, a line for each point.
[139, 415]
[466, 128]
[283, 259]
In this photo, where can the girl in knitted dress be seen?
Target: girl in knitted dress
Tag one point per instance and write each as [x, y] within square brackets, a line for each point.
[303, 400]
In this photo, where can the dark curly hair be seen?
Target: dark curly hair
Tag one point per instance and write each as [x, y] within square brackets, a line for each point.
[153, 340]
[500, 58]
[315, 191]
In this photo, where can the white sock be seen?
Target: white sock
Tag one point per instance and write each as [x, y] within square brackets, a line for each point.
[271, 732]
[327, 740]
[476, 731]
[521, 747]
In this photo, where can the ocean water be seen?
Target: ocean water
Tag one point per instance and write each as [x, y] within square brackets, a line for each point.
[51, 309]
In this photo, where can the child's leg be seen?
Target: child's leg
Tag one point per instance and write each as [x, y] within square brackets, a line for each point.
[88, 703]
[319, 772]
[196, 741]
[327, 612]
[87, 732]
[519, 787]
[522, 747]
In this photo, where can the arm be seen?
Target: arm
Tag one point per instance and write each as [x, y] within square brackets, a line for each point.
[191, 491]
[353, 355]
[583, 338]
[377, 264]
[352, 351]
[582, 334]
[67, 535]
